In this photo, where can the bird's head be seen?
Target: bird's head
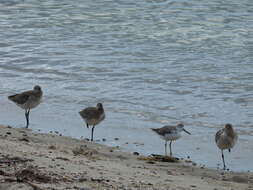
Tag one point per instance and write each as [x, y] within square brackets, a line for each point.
[180, 126]
[100, 106]
[37, 88]
[228, 127]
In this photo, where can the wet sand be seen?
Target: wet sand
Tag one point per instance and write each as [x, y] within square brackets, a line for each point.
[31, 160]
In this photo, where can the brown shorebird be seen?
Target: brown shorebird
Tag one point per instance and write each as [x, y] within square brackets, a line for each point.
[28, 100]
[226, 138]
[170, 133]
[93, 116]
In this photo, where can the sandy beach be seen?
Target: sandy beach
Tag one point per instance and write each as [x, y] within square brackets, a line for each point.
[31, 160]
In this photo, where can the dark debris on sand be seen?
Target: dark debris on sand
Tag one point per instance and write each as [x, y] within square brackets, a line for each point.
[18, 170]
[158, 158]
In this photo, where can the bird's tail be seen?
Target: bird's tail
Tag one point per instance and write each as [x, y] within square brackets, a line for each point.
[82, 114]
[154, 129]
[12, 97]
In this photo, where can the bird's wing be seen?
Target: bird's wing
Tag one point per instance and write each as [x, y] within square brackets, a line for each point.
[88, 112]
[19, 98]
[166, 130]
[218, 134]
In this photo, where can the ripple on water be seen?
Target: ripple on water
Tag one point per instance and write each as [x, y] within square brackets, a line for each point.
[150, 63]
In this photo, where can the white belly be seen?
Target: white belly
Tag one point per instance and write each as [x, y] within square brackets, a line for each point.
[171, 137]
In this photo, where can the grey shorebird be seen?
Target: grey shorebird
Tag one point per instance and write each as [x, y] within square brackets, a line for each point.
[226, 138]
[93, 116]
[170, 133]
[27, 100]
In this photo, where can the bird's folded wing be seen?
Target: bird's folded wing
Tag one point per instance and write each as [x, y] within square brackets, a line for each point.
[19, 98]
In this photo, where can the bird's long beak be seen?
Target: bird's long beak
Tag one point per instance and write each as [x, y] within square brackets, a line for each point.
[187, 132]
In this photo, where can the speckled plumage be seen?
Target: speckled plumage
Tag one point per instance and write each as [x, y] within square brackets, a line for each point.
[226, 138]
[93, 116]
[27, 100]
[170, 133]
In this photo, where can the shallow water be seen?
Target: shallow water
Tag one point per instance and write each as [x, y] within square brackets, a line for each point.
[149, 62]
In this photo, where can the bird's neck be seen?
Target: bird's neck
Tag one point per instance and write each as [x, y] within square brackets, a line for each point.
[230, 133]
[39, 92]
[101, 109]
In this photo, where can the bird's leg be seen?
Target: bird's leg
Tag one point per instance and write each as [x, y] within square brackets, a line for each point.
[229, 150]
[224, 165]
[92, 131]
[87, 125]
[170, 149]
[165, 148]
[27, 117]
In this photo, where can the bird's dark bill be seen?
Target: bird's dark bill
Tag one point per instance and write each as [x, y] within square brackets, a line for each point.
[187, 131]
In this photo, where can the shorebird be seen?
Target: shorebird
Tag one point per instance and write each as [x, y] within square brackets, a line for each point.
[27, 100]
[170, 133]
[226, 138]
[93, 116]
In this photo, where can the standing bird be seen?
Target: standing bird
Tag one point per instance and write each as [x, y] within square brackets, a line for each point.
[170, 133]
[27, 100]
[226, 138]
[93, 116]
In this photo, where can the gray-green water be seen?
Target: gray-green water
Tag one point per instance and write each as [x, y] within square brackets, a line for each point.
[149, 62]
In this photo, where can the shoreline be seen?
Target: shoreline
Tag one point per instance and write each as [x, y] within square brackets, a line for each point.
[50, 161]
